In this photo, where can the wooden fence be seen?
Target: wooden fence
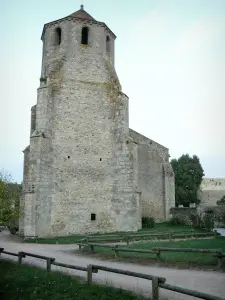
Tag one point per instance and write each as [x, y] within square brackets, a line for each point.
[157, 282]
[156, 250]
[129, 237]
[145, 236]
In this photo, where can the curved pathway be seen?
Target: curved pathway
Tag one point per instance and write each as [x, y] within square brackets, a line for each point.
[204, 281]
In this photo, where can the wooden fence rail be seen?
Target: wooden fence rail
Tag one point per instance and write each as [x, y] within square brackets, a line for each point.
[188, 292]
[128, 237]
[157, 282]
[218, 253]
[134, 237]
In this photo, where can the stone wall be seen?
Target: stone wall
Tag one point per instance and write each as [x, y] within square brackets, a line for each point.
[211, 190]
[80, 165]
[184, 211]
[85, 170]
[155, 177]
[218, 213]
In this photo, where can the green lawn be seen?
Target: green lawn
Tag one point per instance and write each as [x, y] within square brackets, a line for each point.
[26, 282]
[159, 228]
[171, 257]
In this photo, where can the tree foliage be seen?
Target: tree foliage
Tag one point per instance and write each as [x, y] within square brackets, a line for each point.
[221, 202]
[10, 193]
[188, 177]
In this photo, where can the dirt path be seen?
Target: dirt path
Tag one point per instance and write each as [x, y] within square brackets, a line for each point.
[204, 281]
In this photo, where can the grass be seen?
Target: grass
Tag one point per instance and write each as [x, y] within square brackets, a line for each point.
[171, 258]
[159, 228]
[167, 227]
[27, 282]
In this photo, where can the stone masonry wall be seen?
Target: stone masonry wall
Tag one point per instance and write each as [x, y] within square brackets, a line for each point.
[169, 188]
[83, 161]
[211, 190]
[25, 183]
[80, 163]
[155, 177]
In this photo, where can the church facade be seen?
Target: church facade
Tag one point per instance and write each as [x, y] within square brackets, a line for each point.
[85, 170]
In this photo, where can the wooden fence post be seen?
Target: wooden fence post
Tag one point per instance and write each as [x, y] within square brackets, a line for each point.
[49, 261]
[127, 240]
[89, 274]
[92, 248]
[170, 236]
[220, 261]
[155, 288]
[20, 257]
[116, 251]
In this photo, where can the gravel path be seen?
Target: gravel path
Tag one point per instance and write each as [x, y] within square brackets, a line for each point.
[204, 281]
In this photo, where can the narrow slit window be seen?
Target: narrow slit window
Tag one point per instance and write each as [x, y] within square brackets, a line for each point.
[58, 36]
[84, 37]
[93, 217]
[108, 44]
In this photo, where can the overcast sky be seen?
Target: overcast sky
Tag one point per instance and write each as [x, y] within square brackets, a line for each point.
[170, 59]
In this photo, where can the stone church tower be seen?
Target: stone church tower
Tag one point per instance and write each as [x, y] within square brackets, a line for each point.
[83, 169]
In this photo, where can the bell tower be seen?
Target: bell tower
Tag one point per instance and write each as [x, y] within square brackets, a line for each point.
[79, 169]
[82, 39]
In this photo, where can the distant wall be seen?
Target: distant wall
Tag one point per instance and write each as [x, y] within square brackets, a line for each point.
[211, 190]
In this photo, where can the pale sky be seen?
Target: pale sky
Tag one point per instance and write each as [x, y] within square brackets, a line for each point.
[170, 59]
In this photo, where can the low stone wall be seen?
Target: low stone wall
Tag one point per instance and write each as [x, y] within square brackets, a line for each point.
[185, 212]
[217, 211]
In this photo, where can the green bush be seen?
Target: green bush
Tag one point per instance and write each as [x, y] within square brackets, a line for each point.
[148, 222]
[208, 221]
[196, 221]
[177, 220]
[221, 202]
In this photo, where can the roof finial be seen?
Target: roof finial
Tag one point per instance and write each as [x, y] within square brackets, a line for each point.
[82, 5]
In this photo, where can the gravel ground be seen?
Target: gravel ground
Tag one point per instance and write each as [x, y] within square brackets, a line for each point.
[204, 281]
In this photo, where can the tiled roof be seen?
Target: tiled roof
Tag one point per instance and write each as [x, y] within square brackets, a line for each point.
[82, 14]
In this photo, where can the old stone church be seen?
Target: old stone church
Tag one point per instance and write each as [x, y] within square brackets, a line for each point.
[85, 170]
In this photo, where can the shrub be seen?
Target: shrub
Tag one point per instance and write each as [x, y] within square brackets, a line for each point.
[177, 220]
[208, 221]
[221, 202]
[196, 221]
[148, 222]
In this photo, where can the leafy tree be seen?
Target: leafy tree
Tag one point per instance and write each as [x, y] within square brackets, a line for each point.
[221, 202]
[188, 177]
[9, 198]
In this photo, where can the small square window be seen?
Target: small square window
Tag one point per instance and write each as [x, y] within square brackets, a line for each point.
[93, 217]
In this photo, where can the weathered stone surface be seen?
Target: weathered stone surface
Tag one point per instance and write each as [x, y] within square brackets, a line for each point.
[211, 190]
[155, 177]
[82, 158]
